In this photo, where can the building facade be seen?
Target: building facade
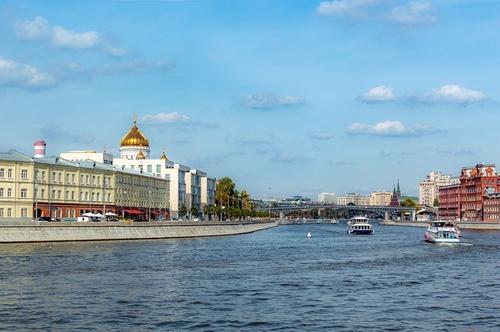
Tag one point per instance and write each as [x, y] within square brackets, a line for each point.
[449, 202]
[59, 188]
[429, 188]
[328, 198]
[353, 198]
[381, 198]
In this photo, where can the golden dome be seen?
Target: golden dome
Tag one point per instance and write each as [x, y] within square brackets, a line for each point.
[164, 156]
[140, 156]
[134, 138]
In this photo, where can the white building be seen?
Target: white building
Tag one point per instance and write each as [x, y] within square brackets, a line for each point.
[429, 188]
[100, 157]
[353, 198]
[327, 198]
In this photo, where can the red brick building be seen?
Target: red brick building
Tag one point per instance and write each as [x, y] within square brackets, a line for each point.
[491, 209]
[449, 202]
[466, 201]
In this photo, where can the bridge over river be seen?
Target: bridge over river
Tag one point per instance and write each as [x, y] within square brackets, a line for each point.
[341, 211]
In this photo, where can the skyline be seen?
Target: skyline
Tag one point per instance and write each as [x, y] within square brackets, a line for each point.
[303, 97]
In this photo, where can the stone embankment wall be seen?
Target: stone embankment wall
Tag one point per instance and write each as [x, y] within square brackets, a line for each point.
[59, 232]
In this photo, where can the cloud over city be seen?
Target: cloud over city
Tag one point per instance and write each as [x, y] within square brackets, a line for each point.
[378, 94]
[21, 75]
[389, 129]
[271, 101]
[57, 36]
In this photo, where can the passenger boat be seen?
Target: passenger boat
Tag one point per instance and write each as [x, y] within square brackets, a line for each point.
[441, 232]
[359, 225]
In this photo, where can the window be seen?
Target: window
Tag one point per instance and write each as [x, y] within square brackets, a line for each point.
[59, 177]
[24, 212]
[9, 212]
[1, 192]
[9, 173]
[150, 168]
[98, 198]
[54, 176]
[9, 192]
[81, 179]
[42, 193]
[72, 195]
[2, 172]
[93, 196]
[158, 168]
[53, 194]
[43, 176]
[24, 193]
[1, 212]
[24, 174]
[67, 178]
[58, 194]
[73, 178]
[109, 197]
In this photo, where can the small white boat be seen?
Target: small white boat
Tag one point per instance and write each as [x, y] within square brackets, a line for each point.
[359, 226]
[441, 232]
[333, 221]
[309, 234]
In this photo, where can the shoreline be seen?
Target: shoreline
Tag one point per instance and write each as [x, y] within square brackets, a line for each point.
[463, 225]
[16, 232]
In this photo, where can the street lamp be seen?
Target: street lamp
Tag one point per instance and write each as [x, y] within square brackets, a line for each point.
[149, 214]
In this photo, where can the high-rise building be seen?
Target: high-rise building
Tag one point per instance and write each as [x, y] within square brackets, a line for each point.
[428, 189]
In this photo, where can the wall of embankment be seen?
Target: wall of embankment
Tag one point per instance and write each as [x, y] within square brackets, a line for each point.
[60, 232]
[462, 225]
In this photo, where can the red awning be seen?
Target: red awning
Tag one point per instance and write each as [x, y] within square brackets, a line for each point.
[133, 211]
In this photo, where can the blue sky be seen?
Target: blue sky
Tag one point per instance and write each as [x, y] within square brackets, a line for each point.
[299, 96]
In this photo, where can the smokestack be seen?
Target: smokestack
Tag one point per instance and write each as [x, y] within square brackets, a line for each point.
[39, 149]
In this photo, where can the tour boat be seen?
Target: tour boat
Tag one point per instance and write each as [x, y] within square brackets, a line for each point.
[359, 225]
[441, 232]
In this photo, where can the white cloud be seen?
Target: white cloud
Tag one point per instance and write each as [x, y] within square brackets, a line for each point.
[455, 94]
[39, 28]
[378, 94]
[413, 13]
[321, 136]
[344, 7]
[163, 118]
[36, 29]
[388, 128]
[74, 40]
[270, 101]
[17, 74]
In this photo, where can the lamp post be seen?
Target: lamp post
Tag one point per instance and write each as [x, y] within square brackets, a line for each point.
[149, 203]
[123, 204]
[269, 213]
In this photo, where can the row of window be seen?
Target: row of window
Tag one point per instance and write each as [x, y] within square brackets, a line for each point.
[70, 178]
[3, 172]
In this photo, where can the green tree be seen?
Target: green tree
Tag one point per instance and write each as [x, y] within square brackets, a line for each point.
[408, 202]
[183, 211]
[436, 202]
[225, 191]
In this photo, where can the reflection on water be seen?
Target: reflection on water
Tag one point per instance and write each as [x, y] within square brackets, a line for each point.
[272, 280]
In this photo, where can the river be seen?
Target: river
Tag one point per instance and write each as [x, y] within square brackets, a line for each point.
[274, 280]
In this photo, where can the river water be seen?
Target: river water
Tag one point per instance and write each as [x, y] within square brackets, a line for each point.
[274, 280]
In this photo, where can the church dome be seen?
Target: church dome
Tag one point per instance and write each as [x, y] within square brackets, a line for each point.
[134, 137]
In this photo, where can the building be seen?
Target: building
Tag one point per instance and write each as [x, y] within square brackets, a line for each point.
[475, 183]
[353, 198]
[190, 189]
[449, 202]
[59, 188]
[329, 198]
[86, 155]
[428, 189]
[381, 198]
[491, 209]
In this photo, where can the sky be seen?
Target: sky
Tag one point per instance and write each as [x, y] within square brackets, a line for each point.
[285, 97]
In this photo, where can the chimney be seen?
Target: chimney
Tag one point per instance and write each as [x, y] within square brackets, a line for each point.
[39, 147]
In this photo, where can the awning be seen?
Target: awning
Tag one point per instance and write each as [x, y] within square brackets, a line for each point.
[133, 211]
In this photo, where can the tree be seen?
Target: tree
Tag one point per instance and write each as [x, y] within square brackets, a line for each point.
[408, 202]
[183, 211]
[224, 192]
[436, 202]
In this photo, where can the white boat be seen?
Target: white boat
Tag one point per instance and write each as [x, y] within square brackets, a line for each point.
[333, 221]
[441, 232]
[359, 225]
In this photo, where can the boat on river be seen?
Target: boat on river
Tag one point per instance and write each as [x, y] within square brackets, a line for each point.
[359, 226]
[442, 232]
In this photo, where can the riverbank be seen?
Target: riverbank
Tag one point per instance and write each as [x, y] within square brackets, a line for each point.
[462, 225]
[115, 231]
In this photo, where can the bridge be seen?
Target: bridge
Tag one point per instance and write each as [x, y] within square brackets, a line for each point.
[341, 211]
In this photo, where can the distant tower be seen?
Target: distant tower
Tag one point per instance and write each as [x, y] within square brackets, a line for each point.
[398, 191]
[39, 149]
[394, 198]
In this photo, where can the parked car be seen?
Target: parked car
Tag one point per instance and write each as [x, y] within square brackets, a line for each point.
[43, 219]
